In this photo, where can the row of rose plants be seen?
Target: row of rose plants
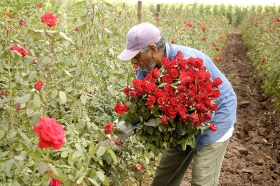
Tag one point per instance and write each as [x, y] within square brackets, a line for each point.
[60, 80]
[261, 33]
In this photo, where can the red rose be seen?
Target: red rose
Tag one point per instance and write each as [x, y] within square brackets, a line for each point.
[182, 110]
[198, 63]
[121, 108]
[150, 86]
[77, 29]
[167, 79]
[39, 6]
[55, 182]
[51, 133]
[166, 63]
[21, 23]
[49, 19]
[216, 82]
[263, 60]
[198, 106]
[164, 119]
[126, 90]
[118, 143]
[108, 128]
[185, 78]
[174, 73]
[3, 93]
[18, 106]
[172, 111]
[9, 14]
[216, 93]
[155, 73]
[20, 50]
[158, 92]
[213, 106]
[213, 127]
[151, 101]
[173, 101]
[38, 85]
[133, 94]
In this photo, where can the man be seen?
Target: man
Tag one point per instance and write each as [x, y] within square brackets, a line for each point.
[146, 47]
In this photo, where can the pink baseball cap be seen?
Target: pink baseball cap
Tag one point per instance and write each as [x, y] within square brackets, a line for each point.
[138, 37]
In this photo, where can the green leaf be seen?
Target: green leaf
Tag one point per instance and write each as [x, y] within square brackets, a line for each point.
[42, 167]
[83, 99]
[32, 75]
[68, 73]
[52, 167]
[2, 134]
[80, 180]
[19, 158]
[100, 175]
[62, 96]
[37, 154]
[54, 93]
[64, 36]
[23, 99]
[100, 151]
[37, 100]
[78, 147]
[25, 138]
[94, 182]
[113, 155]
[76, 154]
[64, 154]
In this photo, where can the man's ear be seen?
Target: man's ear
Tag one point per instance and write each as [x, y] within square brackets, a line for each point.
[153, 48]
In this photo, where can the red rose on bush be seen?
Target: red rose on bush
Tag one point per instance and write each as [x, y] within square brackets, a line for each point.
[38, 85]
[108, 128]
[49, 19]
[126, 90]
[55, 182]
[51, 133]
[21, 23]
[121, 108]
[20, 50]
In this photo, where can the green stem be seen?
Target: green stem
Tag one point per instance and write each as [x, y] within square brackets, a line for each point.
[48, 78]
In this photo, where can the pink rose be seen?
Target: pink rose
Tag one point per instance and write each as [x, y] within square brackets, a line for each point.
[51, 133]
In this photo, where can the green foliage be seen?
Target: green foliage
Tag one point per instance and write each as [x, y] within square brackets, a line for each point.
[261, 35]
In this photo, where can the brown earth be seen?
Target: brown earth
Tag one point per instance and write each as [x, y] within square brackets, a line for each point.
[253, 154]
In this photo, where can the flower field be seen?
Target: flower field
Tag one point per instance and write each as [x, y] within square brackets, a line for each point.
[60, 80]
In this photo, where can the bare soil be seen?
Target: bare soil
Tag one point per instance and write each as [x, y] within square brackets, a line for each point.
[253, 154]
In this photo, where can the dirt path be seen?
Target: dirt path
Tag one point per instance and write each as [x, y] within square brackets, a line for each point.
[253, 154]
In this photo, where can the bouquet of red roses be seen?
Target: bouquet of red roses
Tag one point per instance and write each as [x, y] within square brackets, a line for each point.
[180, 99]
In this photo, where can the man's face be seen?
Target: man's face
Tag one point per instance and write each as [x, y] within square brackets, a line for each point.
[144, 61]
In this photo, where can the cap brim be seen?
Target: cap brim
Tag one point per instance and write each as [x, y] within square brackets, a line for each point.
[128, 54]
